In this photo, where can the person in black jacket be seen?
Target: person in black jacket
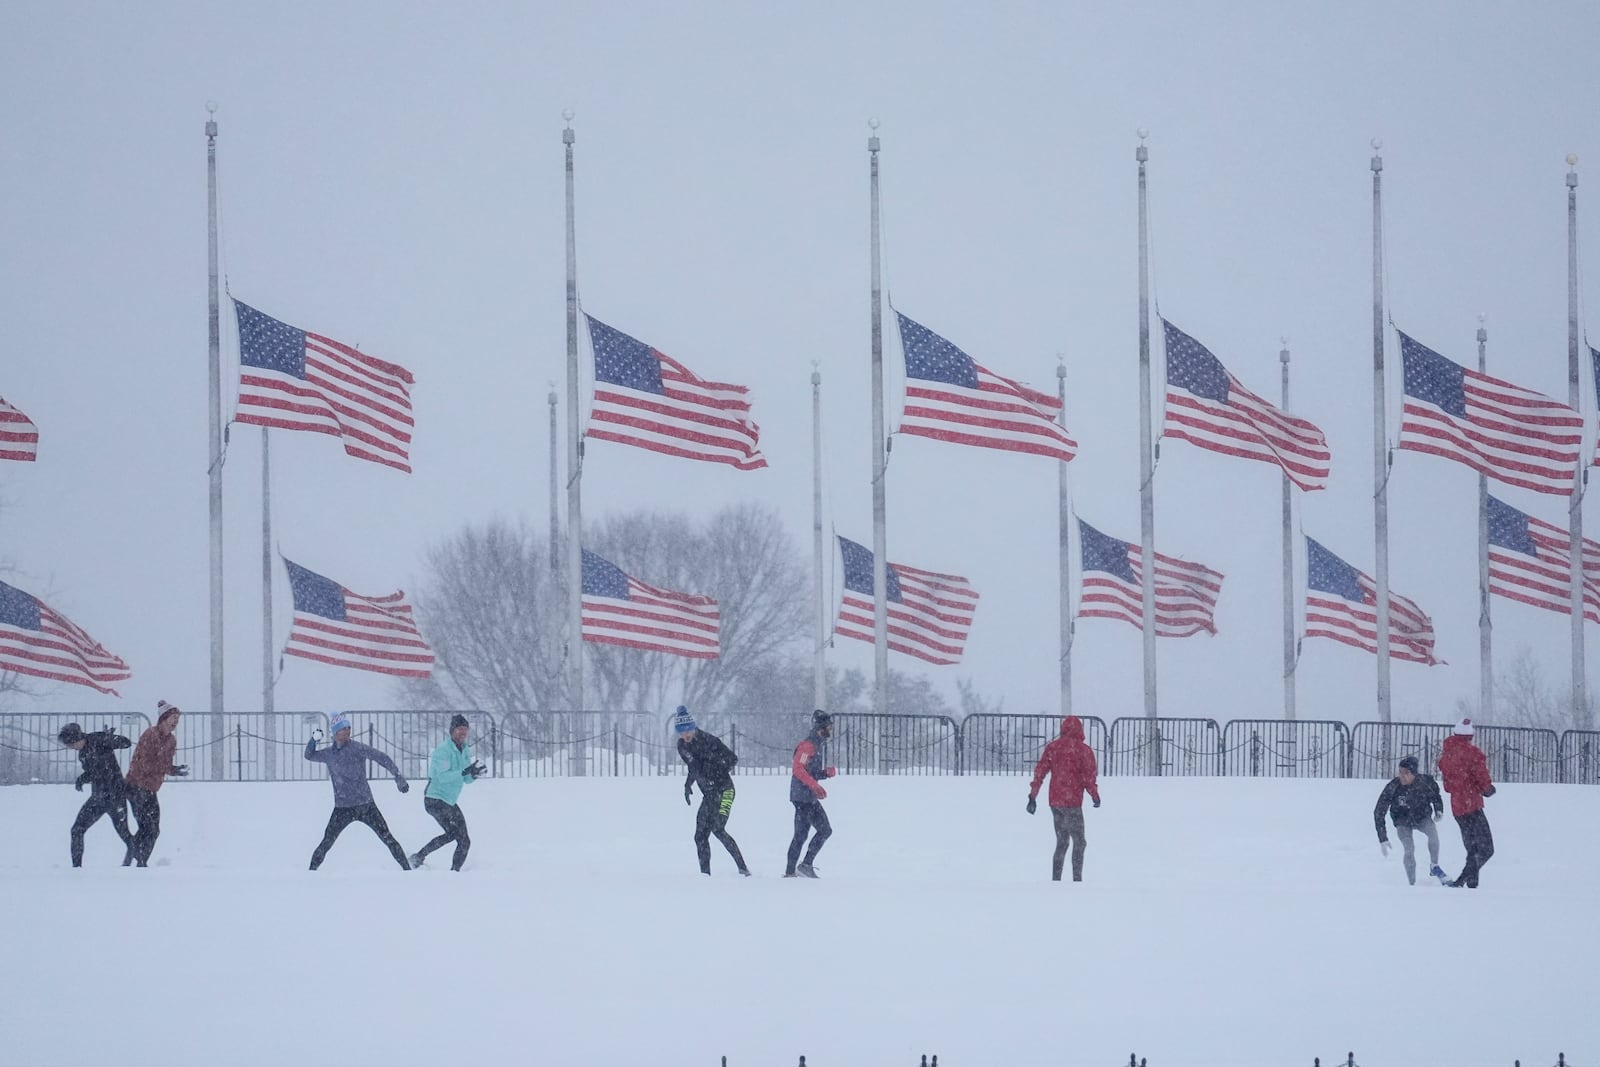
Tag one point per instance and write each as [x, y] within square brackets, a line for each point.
[108, 794]
[1413, 801]
[711, 765]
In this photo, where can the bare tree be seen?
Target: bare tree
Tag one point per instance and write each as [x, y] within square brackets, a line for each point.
[495, 615]
[1524, 696]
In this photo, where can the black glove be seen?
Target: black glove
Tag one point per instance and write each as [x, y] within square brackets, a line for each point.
[478, 770]
[78, 784]
[1097, 802]
[688, 792]
[1033, 805]
[402, 785]
[1489, 792]
[180, 771]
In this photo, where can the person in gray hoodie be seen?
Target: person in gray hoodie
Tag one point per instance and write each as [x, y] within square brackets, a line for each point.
[352, 797]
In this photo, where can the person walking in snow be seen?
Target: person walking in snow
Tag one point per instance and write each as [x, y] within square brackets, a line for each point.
[1466, 778]
[1412, 801]
[450, 768]
[806, 794]
[108, 793]
[1070, 763]
[352, 797]
[710, 764]
[151, 763]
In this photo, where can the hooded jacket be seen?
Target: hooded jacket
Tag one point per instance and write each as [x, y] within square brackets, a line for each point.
[152, 758]
[1070, 763]
[1466, 774]
[98, 757]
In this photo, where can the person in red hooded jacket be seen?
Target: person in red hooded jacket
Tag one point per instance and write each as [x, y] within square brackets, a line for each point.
[1070, 764]
[1466, 779]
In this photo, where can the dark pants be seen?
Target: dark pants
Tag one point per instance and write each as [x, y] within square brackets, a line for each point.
[102, 802]
[1479, 843]
[365, 813]
[1069, 831]
[808, 814]
[712, 819]
[146, 809]
[454, 824]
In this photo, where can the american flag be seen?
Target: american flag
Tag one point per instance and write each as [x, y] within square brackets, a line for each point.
[335, 626]
[618, 609]
[930, 614]
[1531, 560]
[1508, 433]
[296, 380]
[1342, 603]
[647, 399]
[1207, 406]
[949, 397]
[19, 437]
[1186, 593]
[36, 640]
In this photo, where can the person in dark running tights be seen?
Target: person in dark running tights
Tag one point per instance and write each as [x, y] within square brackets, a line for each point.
[108, 794]
[1466, 778]
[711, 765]
[352, 797]
[806, 794]
[449, 769]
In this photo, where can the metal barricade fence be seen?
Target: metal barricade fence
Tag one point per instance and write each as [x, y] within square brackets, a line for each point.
[1520, 754]
[1376, 747]
[1580, 756]
[1010, 744]
[30, 752]
[895, 744]
[1275, 748]
[248, 746]
[1164, 746]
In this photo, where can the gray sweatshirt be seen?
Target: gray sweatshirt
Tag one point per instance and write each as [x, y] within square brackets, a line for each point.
[347, 769]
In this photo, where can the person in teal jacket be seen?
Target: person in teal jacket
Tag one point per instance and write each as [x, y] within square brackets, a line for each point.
[449, 768]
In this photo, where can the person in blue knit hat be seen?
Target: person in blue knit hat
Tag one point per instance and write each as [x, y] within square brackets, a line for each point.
[352, 797]
[711, 765]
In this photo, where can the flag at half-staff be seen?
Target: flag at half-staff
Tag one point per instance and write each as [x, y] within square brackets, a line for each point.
[19, 437]
[930, 614]
[1113, 576]
[1508, 433]
[332, 625]
[619, 609]
[951, 397]
[292, 379]
[645, 398]
[1207, 406]
[40, 642]
[1530, 561]
[1342, 604]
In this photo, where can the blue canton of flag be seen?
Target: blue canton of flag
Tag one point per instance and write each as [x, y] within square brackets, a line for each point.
[265, 342]
[1508, 528]
[624, 360]
[1434, 379]
[1328, 573]
[934, 359]
[858, 571]
[1102, 553]
[314, 593]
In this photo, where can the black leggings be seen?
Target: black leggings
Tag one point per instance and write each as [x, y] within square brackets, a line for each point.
[100, 803]
[1479, 843]
[147, 809]
[371, 816]
[454, 824]
[808, 814]
[712, 819]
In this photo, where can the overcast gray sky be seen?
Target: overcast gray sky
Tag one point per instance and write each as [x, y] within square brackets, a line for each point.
[391, 175]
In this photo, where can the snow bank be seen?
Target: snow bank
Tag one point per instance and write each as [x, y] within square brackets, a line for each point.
[1222, 921]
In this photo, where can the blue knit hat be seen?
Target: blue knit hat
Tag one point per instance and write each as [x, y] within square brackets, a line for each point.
[683, 722]
[340, 721]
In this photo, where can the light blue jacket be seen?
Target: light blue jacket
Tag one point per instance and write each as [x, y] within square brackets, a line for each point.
[445, 769]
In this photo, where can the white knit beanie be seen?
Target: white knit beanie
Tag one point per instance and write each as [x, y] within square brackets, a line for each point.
[1463, 728]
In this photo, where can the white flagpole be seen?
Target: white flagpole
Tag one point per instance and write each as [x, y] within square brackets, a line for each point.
[574, 457]
[819, 686]
[1485, 620]
[215, 465]
[268, 704]
[1580, 699]
[1147, 505]
[1064, 515]
[1380, 450]
[880, 536]
[1289, 635]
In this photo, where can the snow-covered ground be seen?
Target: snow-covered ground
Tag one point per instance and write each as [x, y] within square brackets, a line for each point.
[1223, 921]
